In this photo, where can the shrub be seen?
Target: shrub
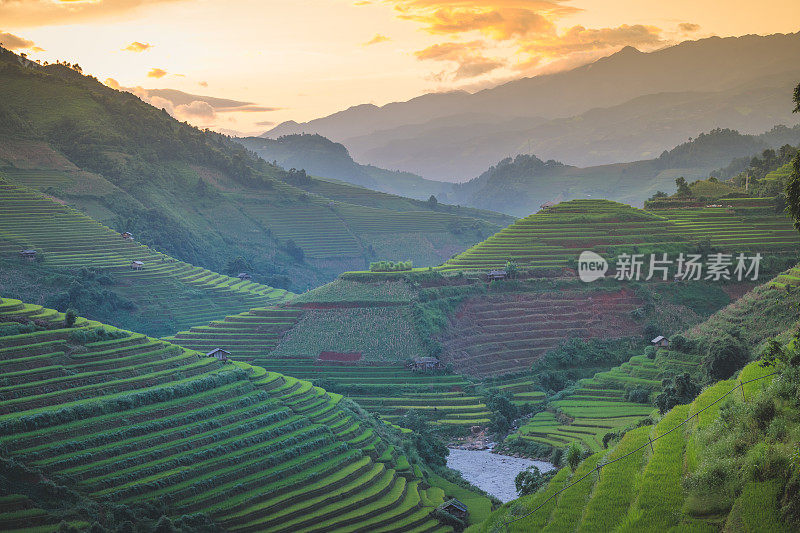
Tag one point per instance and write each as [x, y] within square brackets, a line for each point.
[531, 479]
[574, 456]
[680, 390]
[638, 395]
[70, 317]
[391, 266]
[724, 356]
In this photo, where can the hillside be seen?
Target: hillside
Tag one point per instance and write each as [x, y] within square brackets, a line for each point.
[92, 414]
[199, 196]
[554, 237]
[619, 397]
[694, 477]
[84, 265]
[626, 107]
[520, 185]
[322, 157]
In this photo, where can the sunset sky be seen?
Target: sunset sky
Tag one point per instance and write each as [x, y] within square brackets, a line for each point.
[301, 59]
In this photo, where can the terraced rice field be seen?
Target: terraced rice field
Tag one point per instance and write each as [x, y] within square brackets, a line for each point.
[643, 491]
[787, 279]
[597, 407]
[247, 336]
[302, 225]
[170, 294]
[140, 419]
[751, 226]
[556, 236]
[391, 390]
[506, 333]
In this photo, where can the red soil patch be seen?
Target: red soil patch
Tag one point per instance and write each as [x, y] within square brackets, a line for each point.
[502, 334]
[340, 357]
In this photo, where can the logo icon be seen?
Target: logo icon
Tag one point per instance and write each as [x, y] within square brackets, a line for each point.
[591, 266]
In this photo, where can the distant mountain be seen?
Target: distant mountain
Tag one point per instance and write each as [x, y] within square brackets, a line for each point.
[519, 185]
[625, 107]
[322, 157]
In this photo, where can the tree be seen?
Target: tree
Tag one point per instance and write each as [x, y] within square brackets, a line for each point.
[531, 479]
[683, 187]
[512, 269]
[432, 202]
[680, 390]
[724, 357]
[70, 317]
[793, 184]
[574, 454]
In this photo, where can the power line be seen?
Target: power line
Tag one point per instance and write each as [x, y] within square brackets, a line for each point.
[599, 467]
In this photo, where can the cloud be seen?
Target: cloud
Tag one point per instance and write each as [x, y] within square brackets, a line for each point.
[688, 27]
[203, 111]
[469, 57]
[476, 66]
[14, 42]
[248, 109]
[524, 35]
[265, 123]
[581, 39]
[156, 73]
[136, 46]
[377, 39]
[197, 110]
[496, 19]
[202, 83]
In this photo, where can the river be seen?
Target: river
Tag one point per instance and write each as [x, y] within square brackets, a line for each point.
[492, 472]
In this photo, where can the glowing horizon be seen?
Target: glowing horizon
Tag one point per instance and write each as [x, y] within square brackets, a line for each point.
[282, 61]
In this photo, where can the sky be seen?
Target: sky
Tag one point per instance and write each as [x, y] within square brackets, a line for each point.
[268, 61]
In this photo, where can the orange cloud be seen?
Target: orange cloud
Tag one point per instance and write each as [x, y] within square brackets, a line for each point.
[496, 19]
[156, 73]
[688, 27]
[136, 46]
[581, 39]
[377, 39]
[9, 41]
[528, 27]
[469, 57]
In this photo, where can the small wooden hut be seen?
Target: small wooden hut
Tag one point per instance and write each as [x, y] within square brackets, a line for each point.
[219, 354]
[660, 342]
[28, 255]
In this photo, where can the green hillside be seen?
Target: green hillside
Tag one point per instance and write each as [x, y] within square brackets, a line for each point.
[79, 260]
[618, 398]
[113, 416]
[554, 237]
[725, 462]
[201, 197]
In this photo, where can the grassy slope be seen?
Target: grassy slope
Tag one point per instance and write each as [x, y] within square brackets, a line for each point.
[166, 296]
[124, 417]
[649, 491]
[555, 237]
[597, 405]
